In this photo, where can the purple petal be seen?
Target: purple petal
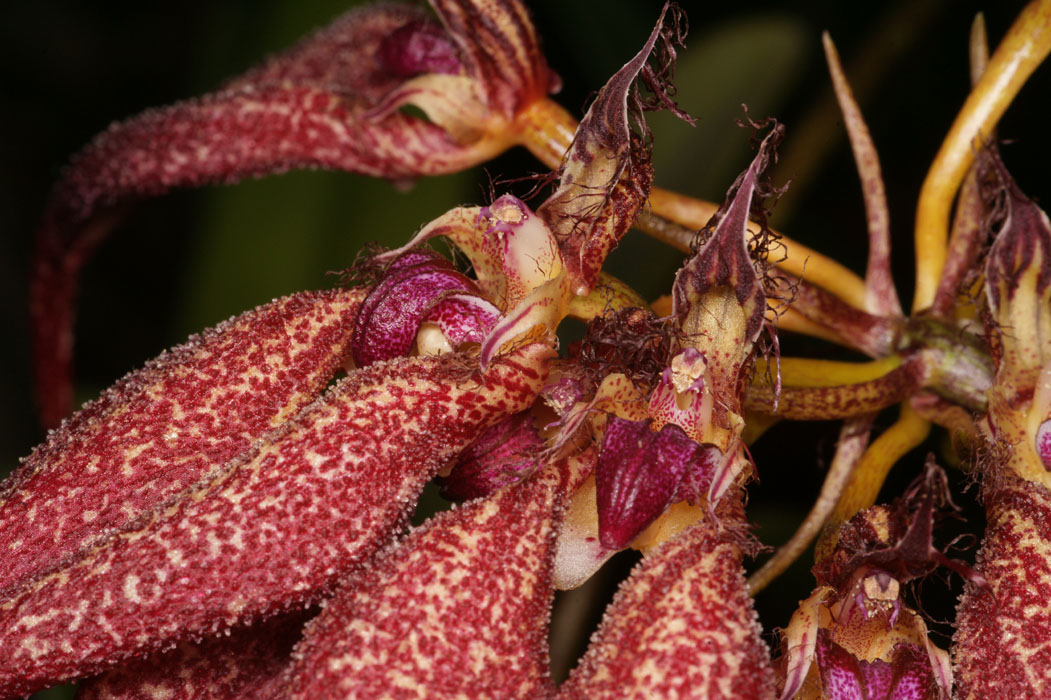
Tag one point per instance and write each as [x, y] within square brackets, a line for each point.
[840, 672]
[411, 288]
[418, 47]
[908, 676]
[464, 318]
[638, 476]
[1043, 443]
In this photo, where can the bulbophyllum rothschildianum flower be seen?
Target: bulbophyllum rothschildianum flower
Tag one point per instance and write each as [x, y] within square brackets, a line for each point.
[854, 638]
[333, 101]
[668, 480]
[281, 493]
[226, 521]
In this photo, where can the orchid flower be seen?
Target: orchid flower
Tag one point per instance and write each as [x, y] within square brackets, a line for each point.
[232, 519]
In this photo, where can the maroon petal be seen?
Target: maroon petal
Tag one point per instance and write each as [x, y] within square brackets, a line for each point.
[504, 454]
[412, 288]
[308, 107]
[725, 259]
[841, 677]
[638, 476]
[248, 663]
[165, 427]
[681, 626]
[607, 174]
[272, 532]
[459, 609]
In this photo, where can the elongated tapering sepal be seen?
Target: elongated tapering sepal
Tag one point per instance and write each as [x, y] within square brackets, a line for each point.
[1000, 647]
[168, 425]
[681, 626]
[725, 260]
[607, 174]
[273, 531]
[247, 663]
[459, 609]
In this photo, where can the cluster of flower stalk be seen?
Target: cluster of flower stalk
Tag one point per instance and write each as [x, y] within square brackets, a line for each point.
[227, 522]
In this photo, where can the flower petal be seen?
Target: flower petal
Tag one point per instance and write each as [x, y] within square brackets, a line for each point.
[411, 288]
[799, 640]
[607, 173]
[265, 534]
[841, 677]
[725, 261]
[247, 663]
[163, 428]
[844, 677]
[681, 625]
[639, 474]
[534, 319]
[308, 107]
[457, 609]
[1018, 269]
[500, 49]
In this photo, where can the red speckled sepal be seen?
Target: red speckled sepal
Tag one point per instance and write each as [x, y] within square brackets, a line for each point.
[244, 664]
[168, 425]
[681, 626]
[273, 531]
[1000, 648]
[458, 609]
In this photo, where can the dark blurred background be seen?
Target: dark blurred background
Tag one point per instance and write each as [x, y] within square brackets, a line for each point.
[191, 259]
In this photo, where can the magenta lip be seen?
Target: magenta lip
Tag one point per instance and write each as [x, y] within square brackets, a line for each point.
[416, 287]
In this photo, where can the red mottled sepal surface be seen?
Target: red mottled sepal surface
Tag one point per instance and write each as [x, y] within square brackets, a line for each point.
[275, 530]
[247, 663]
[1000, 649]
[682, 626]
[168, 425]
[459, 609]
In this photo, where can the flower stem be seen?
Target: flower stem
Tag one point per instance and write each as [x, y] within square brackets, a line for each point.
[853, 438]
[827, 401]
[1025, 46]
